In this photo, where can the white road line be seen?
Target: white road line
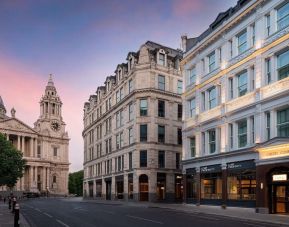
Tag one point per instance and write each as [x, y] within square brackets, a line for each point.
[144, 219]
[62, 223]
[48, 215]
[37, 209]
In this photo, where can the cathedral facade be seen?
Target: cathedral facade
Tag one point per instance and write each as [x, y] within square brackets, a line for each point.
[45, 147]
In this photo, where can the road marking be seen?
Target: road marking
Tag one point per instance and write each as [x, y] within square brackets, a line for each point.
[37, 209]
[255, 225]
[48, 215]
[80, 208]
[144, 219]
[62, 223]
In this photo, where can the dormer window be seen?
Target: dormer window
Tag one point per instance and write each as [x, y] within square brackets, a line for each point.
[130, 63]
[119, 74]
[162, 57]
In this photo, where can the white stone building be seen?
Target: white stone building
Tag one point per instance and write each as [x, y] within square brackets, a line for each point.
[44, 147]
[236, 109]
[132, 129]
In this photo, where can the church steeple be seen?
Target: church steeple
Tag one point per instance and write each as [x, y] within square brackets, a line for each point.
[50, 104]
[2, 109]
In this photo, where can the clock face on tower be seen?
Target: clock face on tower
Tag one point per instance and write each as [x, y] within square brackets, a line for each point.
[55, 126]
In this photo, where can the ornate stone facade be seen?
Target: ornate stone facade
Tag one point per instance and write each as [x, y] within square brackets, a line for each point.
[132, 129]
[45, 146]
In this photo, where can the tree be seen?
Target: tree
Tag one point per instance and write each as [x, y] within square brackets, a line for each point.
[12, 163]
[75, 183]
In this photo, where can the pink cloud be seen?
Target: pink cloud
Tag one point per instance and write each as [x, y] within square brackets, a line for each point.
[182, 8]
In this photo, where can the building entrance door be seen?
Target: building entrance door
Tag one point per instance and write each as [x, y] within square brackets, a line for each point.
[108, 190]
[281, 199]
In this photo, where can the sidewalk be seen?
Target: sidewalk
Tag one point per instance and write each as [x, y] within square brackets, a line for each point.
[7, 218]
[247, 214]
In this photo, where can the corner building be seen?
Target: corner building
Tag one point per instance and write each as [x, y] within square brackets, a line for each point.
[236, 114]
[44, 147]
[132, 129]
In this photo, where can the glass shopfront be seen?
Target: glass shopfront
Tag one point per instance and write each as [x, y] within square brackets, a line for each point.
[191, 185]
[130, 186]
[161, 186]
[98, 188]
[119, 187]
[211, 184]
[241, 183]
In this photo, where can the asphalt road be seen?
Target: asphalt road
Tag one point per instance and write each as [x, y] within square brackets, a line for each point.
[65, 213]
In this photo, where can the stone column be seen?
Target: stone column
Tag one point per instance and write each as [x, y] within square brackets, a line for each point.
[31, 177]
[113, 188]
[43, 178]
[36, 174]
[125, 187]
[18, 143]
[31, 147]
[35, 147]
[48, 178]
[23, 145]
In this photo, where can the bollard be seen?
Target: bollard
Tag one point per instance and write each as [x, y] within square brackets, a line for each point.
[16, 215]
[13, 204]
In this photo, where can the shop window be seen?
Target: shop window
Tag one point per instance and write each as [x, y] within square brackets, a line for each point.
[283, 123]
[191, 181]
[211, 186]
[242, 185]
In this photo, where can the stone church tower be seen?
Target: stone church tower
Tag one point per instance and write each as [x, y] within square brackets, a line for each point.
[45, 147]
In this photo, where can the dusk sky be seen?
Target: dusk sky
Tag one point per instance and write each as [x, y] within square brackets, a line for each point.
[80, 43]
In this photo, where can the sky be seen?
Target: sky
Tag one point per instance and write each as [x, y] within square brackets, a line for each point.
[81, 42]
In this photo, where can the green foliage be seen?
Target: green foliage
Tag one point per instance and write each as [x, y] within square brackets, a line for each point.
[12, 163]
[75, 183]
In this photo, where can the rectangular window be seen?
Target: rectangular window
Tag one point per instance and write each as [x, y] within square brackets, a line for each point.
[180, 139]
[192, 103]
[117, 139]
[212, 141]
[117, 96]
[121, 118]
[180, 87]
[143, 107]
[193, 146]
[143, 158]
[203, 142]
[212, 61]
[220, 55]
[143, 133]
[231, 48]
[161, 82]
[283, 16]
[268, 122]
[129, 86]
[121, 139]
[283, 123]
[242, 133]
[283, 65]
[192, 75]
[242, 42]
[203, 101]
[178, 160]
[119, 163]
[117, 117]
[231, 88]
[38, 151]
[212, 97]
[162, 59]
[121, 93]
[268, 70]
[161, 108]
[130, 160]
[231, 133]
[54, 151]
[161, 159]
[130, 112]
[109, 103]
[242, 83]
[180, 111]
[161, 134]
[268, 24]
[130, 135]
